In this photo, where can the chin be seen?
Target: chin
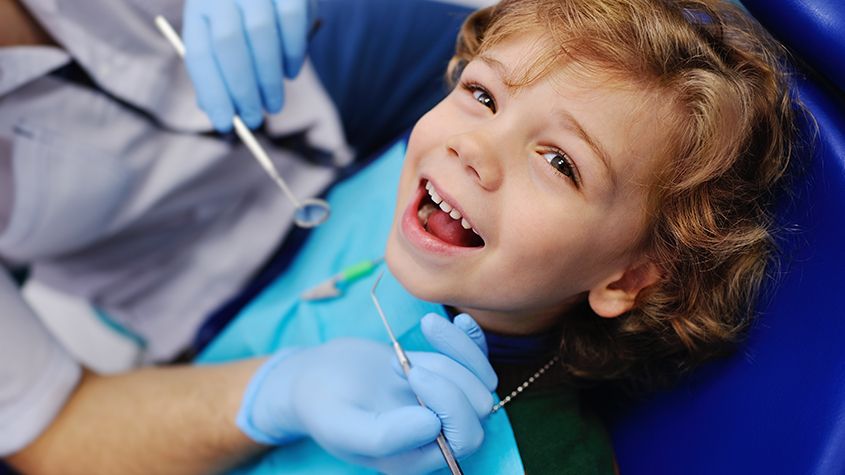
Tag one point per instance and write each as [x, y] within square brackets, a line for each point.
[412, 277]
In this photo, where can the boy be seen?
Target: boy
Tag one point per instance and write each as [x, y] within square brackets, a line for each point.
[595, 191]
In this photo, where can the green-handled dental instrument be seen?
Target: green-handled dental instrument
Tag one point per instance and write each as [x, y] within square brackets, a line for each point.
[333, 287]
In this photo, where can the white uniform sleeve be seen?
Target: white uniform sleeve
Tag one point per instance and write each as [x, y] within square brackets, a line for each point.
[36, 374]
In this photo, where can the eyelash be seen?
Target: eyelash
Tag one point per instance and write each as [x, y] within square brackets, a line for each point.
[562, 160]
[562, 166]
[472, 88]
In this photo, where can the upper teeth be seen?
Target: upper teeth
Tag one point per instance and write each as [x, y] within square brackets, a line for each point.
[446, 207]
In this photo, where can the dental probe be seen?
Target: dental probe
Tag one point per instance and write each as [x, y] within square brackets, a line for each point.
[406, 368]
[310, 212]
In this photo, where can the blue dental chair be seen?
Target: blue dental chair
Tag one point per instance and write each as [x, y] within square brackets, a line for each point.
[778, 405]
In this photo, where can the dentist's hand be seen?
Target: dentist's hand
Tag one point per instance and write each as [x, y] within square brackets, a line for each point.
[440, 386]
[237, 50]
[351, 399]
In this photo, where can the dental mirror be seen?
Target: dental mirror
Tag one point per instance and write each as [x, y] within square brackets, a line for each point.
[310, 212]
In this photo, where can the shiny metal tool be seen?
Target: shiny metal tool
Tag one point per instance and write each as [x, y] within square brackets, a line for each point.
[310, 212]
[406, 368]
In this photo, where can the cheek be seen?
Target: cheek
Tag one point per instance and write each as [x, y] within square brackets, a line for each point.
[425, 136]
[547, 222]
[553, 243]
[419, 143]
[433, 123]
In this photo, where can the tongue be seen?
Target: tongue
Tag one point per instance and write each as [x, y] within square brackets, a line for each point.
[447, 229]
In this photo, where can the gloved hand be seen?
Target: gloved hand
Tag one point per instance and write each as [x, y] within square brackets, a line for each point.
[237, 50]
[349, 396]
[429, 368]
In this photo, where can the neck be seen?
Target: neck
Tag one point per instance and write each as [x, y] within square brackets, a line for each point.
[521, 323]
[19, 28]
[512, 349]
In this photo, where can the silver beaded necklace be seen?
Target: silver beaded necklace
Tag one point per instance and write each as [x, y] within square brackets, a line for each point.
[525, 384]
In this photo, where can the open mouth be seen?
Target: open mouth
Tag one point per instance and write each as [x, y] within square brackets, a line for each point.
[442, 220]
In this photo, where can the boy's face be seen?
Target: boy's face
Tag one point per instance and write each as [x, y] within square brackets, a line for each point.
[553, 176]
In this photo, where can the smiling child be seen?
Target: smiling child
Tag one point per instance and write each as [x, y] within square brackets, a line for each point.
[596, 188]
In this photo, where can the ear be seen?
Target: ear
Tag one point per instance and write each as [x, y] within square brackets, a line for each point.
[617, 294]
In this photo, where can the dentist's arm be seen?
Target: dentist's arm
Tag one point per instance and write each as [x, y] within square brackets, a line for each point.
[346, 395]
[155, 420]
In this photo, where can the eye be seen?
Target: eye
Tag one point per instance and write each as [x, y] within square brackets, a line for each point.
[481, 95]
[562, 164]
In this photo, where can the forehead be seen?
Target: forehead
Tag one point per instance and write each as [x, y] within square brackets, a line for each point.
[535, 55]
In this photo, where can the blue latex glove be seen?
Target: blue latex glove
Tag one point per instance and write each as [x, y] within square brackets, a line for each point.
[237, 50]
[350, 398]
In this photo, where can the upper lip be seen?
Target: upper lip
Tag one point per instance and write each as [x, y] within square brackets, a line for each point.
[453, 203]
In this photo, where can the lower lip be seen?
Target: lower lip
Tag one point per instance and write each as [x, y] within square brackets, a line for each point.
[419, 238]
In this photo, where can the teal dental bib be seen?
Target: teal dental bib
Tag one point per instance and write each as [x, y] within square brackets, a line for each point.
[362, 215]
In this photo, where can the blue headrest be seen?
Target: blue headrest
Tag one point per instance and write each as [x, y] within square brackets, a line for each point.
[813, 29]
[778, 406]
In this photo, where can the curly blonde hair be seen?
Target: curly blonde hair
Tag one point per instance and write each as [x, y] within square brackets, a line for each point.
[728, 150]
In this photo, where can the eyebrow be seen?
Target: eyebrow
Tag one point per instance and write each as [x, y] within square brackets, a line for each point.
[568, 120]
[500, 69]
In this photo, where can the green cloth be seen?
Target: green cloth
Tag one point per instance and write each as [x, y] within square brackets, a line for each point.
[555, 434]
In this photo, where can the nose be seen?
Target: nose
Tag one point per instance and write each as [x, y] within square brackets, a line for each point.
[480, 157]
